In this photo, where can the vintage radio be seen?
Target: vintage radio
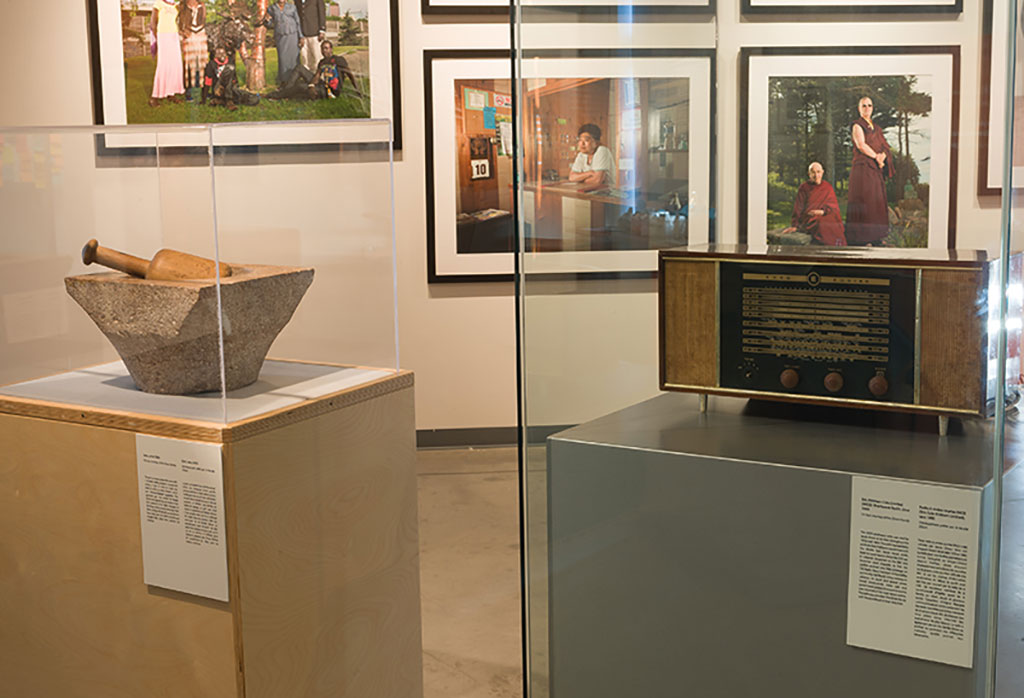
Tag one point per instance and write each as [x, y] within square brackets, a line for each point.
[904, 330]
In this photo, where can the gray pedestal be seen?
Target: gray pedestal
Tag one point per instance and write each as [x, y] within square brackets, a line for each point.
[707, 554]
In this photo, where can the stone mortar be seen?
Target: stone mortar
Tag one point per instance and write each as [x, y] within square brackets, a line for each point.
[166, 331]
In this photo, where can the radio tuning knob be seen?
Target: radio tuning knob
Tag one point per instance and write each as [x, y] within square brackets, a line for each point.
[833, 382]
[878, 385]
[789, 378]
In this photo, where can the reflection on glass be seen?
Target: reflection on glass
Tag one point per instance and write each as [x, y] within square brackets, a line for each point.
[668, 535]
[607, 167]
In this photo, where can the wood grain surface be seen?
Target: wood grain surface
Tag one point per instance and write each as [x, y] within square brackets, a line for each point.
[689, 352]
[953, 319]
[323, 560]
[328, 558]
[234, 586]
[76, 619]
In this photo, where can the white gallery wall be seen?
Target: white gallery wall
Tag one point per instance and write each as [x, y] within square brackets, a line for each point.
[460, 340]
[590, 352]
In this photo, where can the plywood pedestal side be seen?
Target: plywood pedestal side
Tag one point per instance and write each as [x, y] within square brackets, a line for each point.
[322, 556]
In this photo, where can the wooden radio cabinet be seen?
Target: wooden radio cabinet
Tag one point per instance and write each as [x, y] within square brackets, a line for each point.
[893, 329]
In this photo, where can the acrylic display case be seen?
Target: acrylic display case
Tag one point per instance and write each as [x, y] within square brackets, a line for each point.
[171, 504]
[193, 189]
[812, 528]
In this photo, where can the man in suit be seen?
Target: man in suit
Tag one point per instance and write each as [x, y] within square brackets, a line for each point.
[313, 18]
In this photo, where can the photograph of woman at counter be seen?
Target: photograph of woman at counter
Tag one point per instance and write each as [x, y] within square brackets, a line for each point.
[614, 161]
[609, 166]
[608, 170]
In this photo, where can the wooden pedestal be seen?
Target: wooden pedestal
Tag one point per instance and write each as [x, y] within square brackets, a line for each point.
[320, 500]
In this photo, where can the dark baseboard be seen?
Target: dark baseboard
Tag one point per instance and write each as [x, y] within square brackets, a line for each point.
[481, 436]
[540, 434]
[455, 438]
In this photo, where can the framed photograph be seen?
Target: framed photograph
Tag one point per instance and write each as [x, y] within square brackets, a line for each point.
[619, 162]
[994, 64]
[806, 7]
[502, 7]
[209, 61]
[880, 127]
[465, 7]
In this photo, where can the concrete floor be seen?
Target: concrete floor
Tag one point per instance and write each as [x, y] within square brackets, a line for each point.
[469, 573]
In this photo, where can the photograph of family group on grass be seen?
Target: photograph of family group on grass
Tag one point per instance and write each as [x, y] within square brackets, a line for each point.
[207, 61]
[194, 60]
[847, 149]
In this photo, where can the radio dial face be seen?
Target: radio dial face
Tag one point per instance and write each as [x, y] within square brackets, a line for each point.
[784, 327]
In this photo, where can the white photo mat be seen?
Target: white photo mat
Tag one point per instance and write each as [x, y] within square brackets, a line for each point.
[469, 5]
[110, 63]
[464, 5]
[616, 3]
[854, 5]
[448, 261]
[764, 67]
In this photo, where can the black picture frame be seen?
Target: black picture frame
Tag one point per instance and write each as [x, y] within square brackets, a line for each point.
[850, 7]
[429, 57]
[95, 24]
[437, 256]
[814, 56]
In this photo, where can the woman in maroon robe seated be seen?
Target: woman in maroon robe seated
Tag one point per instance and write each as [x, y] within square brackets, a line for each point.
[867, 211]
[816, 210]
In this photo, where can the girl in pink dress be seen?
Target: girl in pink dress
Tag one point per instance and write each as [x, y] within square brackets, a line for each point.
[169, 78]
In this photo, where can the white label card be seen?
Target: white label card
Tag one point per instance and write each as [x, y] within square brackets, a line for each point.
[913, 569]
[181, 507]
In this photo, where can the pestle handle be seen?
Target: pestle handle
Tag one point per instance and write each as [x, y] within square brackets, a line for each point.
[165, 265]
[136, 266]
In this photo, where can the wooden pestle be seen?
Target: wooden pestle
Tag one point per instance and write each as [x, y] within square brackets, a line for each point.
[165, 265]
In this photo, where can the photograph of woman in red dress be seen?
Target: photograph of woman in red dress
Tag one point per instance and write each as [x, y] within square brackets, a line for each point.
[867, 211]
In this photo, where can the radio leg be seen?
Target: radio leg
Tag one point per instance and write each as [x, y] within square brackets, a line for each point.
[943, 425]
[703, 402]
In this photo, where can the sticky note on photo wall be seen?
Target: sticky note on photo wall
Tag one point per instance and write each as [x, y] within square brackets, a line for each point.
[475, 99]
